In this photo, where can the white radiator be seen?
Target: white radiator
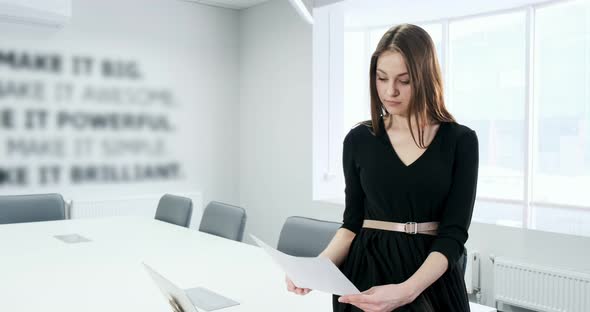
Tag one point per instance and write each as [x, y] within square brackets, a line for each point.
[540, 288]
[138, 205]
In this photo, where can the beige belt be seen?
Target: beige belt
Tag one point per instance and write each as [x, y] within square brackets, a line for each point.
[429, 228]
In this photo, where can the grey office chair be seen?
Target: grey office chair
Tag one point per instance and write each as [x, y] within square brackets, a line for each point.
[306, 237]
[176, 210]
[224, 220]
[31, 208]
[3, 176]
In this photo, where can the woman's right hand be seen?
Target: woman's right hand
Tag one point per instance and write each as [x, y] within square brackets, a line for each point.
[294, 289]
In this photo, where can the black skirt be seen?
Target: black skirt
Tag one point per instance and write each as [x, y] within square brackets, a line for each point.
[378, 257]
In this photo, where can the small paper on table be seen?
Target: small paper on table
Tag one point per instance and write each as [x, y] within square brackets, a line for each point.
[316, 273]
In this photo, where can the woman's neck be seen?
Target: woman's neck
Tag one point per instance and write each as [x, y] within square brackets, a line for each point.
[400, 122]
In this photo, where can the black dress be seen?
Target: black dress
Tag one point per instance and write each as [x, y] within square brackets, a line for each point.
[439, 186]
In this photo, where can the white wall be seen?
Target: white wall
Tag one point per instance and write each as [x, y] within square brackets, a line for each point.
[189, 48]
[275, 119]
[275, 146]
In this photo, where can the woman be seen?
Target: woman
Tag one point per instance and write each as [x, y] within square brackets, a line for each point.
[411, 174]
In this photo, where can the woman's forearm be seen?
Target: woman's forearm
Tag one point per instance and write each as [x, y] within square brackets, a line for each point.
[432, 269]
[338, 248]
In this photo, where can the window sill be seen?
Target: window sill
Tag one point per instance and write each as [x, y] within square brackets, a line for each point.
[338, 201]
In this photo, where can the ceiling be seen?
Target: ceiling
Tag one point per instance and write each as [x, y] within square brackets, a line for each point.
[230, 4]
[244, 4]
[363, 13]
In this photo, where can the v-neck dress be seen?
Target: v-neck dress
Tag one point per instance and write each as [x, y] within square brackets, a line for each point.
[438, 186]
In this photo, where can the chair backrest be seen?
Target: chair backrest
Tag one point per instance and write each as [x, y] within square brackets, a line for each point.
[3, 176]
[306, 237]
[224, 220]
[175, 209]
[31, 208]
[462, 262]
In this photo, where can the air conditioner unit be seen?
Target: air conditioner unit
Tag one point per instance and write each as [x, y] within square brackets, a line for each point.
[39, 12]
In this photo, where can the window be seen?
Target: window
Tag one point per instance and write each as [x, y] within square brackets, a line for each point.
[561, 161]
[487, 90]
[561, 149]
[520, 78]
[356, 78]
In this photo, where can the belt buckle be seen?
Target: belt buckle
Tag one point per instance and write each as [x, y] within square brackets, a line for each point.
[415, 231]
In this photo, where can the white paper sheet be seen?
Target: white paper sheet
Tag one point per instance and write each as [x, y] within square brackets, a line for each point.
[315, 273]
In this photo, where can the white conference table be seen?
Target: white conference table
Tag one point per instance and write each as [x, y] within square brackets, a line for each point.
[41, 273]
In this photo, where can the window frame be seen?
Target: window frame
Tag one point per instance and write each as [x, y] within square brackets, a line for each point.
[329, 185]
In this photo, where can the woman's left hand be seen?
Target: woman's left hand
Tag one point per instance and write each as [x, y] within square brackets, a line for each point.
[381, 298]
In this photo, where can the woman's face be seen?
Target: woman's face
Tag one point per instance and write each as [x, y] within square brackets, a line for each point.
[393, 83]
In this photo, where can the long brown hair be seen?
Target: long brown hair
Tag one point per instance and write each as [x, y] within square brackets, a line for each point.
[427, 101]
